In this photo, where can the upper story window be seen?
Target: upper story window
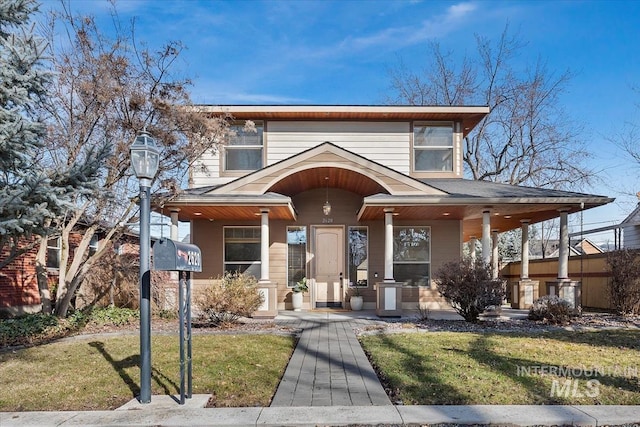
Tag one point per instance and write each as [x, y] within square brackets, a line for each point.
[244, 150]
[433, 147]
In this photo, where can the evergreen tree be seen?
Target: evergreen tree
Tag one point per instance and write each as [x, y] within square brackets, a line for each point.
[31, 196]
[26, 196]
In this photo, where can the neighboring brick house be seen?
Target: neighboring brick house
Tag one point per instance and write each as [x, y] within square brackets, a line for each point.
[19, 291]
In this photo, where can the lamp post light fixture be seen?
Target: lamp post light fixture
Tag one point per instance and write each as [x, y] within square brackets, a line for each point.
[145, 157]
[326, 208]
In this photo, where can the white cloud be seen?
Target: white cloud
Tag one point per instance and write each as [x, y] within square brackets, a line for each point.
[213, 96]
[396, 37]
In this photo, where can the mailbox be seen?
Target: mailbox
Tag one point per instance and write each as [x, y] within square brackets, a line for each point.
[169, 255]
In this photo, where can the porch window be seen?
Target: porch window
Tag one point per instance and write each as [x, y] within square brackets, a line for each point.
[243, 151]
[54, 246]
[412, 255]
[358, 256]
[296, 254]
[433, 147]
[242, 250]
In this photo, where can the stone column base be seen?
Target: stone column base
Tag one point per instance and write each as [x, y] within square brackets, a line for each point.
[269, 307]
[389, 299]
[568, 290]
[524, 293]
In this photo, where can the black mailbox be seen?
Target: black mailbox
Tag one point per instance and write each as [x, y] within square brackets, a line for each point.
[169, 255]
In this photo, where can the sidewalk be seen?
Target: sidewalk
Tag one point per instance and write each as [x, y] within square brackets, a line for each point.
[328, 381]
[152, 415]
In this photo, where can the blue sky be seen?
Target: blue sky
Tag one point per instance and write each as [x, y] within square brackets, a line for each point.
[340, 52]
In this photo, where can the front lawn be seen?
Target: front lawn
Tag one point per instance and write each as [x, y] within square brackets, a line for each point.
[446, 368]
[103, 373]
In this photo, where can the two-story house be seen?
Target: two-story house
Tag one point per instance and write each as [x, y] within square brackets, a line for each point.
[351, 196]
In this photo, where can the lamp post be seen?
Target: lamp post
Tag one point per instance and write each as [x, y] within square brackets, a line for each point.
[145, 156]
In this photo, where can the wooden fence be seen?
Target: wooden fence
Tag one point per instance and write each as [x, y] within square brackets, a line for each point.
[590, 270]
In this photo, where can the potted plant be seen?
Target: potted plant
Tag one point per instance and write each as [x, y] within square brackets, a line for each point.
[298, 290]
[356, 300]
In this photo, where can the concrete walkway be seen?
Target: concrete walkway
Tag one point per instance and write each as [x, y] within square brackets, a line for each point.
[328, 367]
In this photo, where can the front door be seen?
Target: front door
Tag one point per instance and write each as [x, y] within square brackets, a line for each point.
[329, 266]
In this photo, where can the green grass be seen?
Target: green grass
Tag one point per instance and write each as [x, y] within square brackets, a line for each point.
[473, 368]
[92, 374]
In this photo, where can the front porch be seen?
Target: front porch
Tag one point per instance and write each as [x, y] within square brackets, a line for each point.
[349, 225]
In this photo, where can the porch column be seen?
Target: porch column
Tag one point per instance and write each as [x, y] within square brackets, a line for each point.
[472, 248]
[388, 245]
[486, 236]
[264, 246]
[494, 253]
[563, 253]
[524, 264]
[174, 224]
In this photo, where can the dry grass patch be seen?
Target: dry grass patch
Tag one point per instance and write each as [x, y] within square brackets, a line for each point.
[491, 368]
[94, 374]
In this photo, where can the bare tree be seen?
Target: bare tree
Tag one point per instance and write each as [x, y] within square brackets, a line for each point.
[105, 91]
[526, 139]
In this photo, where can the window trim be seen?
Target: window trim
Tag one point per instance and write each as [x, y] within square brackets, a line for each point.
[355, 284]
[225, 147]
[306, 252]
[224, 247]
[427, 262]
[58, 249]
[452, 147]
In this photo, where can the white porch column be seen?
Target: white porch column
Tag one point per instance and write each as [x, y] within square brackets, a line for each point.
[563, 253]
[388, 245]
[174, 224]
[264, 245]
[494, 253]
[524, 264]
[486, 236]
[472, 248]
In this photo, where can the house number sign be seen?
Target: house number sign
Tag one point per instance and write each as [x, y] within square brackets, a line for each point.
[327, 220]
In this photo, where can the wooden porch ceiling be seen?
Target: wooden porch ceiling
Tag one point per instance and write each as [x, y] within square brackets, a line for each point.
[345, 179]
[504, 217]
[234, 212]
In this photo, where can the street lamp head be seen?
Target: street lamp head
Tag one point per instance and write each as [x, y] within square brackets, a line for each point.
[145, 157]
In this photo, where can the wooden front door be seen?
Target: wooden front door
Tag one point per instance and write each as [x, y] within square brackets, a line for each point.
[329, 266]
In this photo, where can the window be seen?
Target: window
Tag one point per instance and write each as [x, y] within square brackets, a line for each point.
[433, 147]
[412, 255]
[242, 250]
[296, 254]
[93, 245]
[243, 151]
[53, 252]
[358, 256]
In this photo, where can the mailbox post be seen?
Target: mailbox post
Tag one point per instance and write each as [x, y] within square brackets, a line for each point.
[169, 255]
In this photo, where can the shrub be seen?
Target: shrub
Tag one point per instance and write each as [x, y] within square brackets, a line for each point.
[228, 298]
[112, 315]
[551, 309]
[469, 287]
[624, 286]
[27, 328]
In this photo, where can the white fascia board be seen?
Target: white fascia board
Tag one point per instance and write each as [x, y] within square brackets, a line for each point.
[340, 109]
[453, 201]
